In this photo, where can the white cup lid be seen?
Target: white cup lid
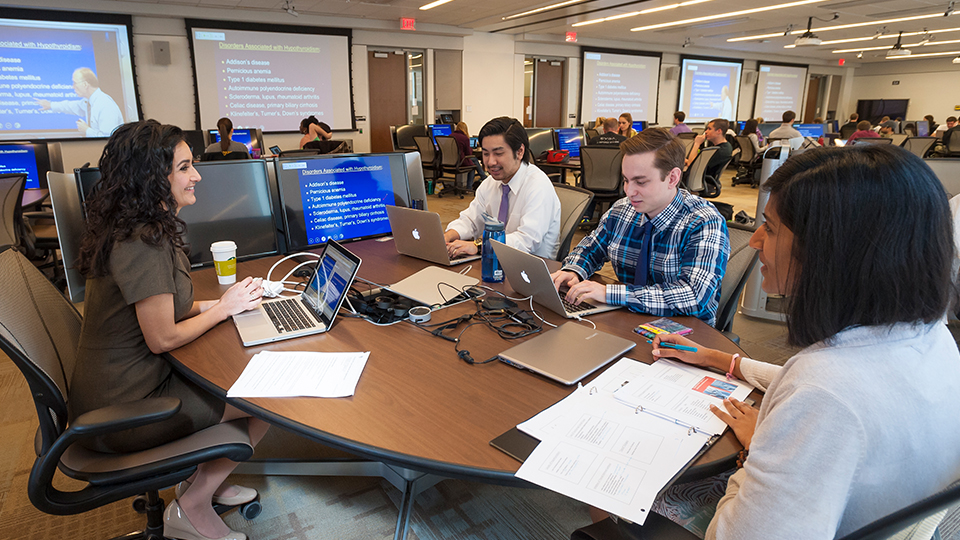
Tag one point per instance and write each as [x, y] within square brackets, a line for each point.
[223, 245]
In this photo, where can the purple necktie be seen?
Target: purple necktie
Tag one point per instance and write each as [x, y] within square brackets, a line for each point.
[643, 261]
[504, 204]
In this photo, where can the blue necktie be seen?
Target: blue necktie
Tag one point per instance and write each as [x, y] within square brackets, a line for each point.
[504, 204]
[643, 262]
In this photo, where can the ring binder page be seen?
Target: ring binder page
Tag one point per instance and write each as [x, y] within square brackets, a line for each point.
[682, 394]
[599, 451]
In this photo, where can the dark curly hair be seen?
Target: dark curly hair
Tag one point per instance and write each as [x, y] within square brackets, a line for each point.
[133, 192]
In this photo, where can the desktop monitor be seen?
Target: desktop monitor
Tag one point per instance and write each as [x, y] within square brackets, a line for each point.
[570, 139]
[833, 126]
[440, 130]
[446, 118]
[246, 216]
[339, 197]
[639, 125]
[541, 140]
[87, 178]
[194, 138]
[923, 128]
[474, 142]
[740, 125]
[810, 130]
[32, 159]
[767, 127]
[251, 138]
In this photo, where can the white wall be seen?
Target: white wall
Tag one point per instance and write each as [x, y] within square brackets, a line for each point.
[930, 85]
[492, 79]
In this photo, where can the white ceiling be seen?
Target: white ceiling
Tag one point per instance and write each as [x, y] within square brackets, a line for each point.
[710, 35]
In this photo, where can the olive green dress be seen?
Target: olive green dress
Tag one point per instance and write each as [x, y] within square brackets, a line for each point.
[114, 363]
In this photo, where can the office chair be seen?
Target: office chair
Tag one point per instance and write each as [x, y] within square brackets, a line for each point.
[11, 197]
[220, 156]
[69, 221]
[406, 134]
[748, 164]
[327, 147]
[39, 331]
[953, 144]
[600, 174]
[429, 157]
[574, 203]
[450, 163]
[694, 181]
[919, 146]
[847, 131]
[739, 267]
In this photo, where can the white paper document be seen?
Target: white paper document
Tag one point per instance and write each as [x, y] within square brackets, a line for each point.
[300, 374]
[682, 393]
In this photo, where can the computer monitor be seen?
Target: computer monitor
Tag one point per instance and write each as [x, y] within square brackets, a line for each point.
[809, 130]
[440, 130]
[767, 127]
[33, 159]
[446, 118]
[474, 142]
[541, 140]
[740, 125]
[246, 216]
[833, 126]
[923, 128]
[570, 139]
[194, 138]
[639, 125]
[251, 138]
[87, 178]
[340, 197]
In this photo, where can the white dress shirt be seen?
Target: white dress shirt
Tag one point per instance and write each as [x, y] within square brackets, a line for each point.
[533, 220]
[104, 117]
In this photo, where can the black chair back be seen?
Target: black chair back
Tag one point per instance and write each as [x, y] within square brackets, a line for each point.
[11, 211]
[220, 156]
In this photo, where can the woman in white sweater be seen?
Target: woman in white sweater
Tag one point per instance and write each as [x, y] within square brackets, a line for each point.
[865, 420]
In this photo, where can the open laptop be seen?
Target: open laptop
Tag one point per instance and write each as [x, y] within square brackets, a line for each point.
[567, 353]
[419, 234]
[312, 312]
[529, 276]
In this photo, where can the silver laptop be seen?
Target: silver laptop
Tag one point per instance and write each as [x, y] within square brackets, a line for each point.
[433, 286]
[529, 276]
[419, 234]
[312, 312]
[567, 353]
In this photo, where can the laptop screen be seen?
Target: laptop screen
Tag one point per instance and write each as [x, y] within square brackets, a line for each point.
[337, 197]
[441, 130]
[810, 130]
[570, 139]
[23, 158]
[335, 272]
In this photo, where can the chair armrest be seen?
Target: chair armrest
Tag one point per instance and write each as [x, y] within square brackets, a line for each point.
[121, 417]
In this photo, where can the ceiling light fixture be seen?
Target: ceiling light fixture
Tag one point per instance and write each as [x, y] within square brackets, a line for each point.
[643, 12]
[841, 51]
[924, 55]
[605, 19]
[725, 15]
[288, 7]
[871, 38]
[808, 39]
[540, 10]
[897, 49]
[839, 27]
[432, 5]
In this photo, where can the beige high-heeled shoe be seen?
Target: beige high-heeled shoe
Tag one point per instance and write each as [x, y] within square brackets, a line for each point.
[243, 496]
[176, 524]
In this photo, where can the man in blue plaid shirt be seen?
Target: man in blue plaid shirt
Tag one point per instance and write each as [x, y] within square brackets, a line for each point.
[668, 247]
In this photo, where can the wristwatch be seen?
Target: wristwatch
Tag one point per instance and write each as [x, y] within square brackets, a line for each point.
[479, 243]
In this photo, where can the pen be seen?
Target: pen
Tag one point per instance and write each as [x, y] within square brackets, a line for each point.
[668, 345]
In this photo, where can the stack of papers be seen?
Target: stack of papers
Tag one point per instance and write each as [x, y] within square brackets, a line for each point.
[300, 374]
[601, 447]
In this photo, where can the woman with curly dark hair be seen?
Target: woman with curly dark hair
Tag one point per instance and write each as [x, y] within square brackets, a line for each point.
[139, 305]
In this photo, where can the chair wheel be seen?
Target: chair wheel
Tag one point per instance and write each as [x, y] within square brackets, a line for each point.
[251, 510]
[461, 195]
[140, 504]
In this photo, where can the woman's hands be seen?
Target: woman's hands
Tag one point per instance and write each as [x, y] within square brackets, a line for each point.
[741, 418]
[242, 296]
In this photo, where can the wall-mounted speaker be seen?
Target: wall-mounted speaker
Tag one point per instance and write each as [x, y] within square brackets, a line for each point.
[750, 77]
[671, 73]
[161, 53]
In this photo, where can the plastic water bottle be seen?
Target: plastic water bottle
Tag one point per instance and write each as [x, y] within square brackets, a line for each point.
[489, 265]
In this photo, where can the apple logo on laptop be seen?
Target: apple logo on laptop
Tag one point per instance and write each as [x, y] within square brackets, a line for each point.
[416, 234]
[523, 274]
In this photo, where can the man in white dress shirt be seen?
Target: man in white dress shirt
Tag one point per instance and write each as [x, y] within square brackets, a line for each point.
[100, 113]
[516, 192]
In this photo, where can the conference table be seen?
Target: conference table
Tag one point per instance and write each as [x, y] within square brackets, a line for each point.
[418, 409]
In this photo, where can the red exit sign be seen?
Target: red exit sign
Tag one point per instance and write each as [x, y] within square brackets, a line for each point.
[408, 23]
[571, 37]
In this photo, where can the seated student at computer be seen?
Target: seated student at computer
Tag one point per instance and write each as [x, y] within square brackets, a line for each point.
[625, 123]
[678, 125]
[716, 134]
[750, 131]
[516, 192]
[668, 247]
[314, 130]
[462, 135]
[610, 136]
[787, 131]
[864, 131]
[226, 144]
[851, 125]
[863, 421]
[951, 128]
[139, 305]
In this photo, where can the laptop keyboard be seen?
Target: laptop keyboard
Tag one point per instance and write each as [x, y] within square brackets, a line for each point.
[288, 315]
[575, 308]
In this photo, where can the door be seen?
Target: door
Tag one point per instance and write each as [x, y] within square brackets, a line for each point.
[813, 98]
[387, 97]
[548, 93]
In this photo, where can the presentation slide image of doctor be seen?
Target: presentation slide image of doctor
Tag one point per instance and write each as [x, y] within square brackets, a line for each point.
[99, 113]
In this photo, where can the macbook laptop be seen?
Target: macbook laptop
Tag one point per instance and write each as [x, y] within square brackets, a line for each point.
[529, 276]
[567, 353]
[312, 312]
[434, 286]
[418, 233]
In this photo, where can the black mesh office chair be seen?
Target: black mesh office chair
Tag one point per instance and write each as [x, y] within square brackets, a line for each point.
[919, 146]
[739, 266]
[748, 164]
[574, 204]
[697, 171]
[11, 212]
[220, 156]
[39, 331]
[847, 131]
[429, 157]
[953, 144]
[600, 174]
[450, 164]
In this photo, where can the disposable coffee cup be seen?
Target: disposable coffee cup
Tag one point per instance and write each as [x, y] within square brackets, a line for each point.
[225, 261]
